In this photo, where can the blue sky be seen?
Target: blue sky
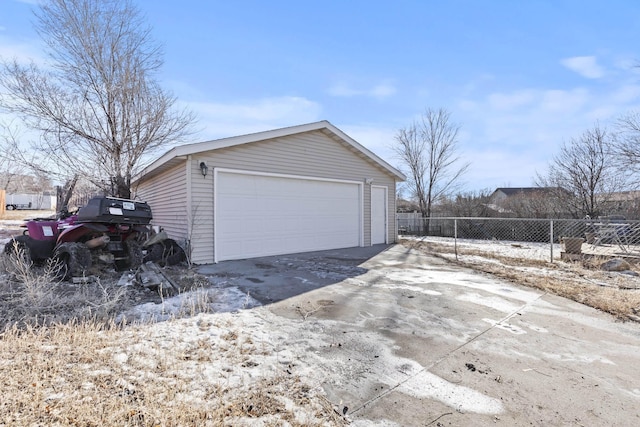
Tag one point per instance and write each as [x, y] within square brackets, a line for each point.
[519, 77]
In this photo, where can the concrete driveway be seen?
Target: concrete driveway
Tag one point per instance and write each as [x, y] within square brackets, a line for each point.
[396, 337]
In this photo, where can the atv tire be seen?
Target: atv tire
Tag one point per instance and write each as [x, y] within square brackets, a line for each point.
[173, 252]
[166, 252]
[154, 252]
[134, 253]
[17, 249]
[74, 259]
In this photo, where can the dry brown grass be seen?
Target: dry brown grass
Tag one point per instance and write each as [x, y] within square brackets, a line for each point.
[24, 214]
[92, 374]
[614, 293]
[65, 362]
[32, 295]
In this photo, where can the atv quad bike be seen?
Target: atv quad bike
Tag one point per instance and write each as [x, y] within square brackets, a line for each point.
[106, 230]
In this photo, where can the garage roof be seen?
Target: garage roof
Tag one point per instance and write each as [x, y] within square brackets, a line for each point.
[177, 154]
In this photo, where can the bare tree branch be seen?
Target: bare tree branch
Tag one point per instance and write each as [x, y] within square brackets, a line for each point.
[98, 107]
[428, 148]
[21, 169]
[586, 169]
[627, 143]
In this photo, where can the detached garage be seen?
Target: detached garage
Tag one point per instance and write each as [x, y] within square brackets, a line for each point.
[298, 189]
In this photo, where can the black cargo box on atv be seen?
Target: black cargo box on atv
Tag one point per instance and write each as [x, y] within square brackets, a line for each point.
[115, 211]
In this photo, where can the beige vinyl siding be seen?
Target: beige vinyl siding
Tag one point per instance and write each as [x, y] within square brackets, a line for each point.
[178, 200]
[311, 154]
[201, 218]
[167, 196]
[393, 222]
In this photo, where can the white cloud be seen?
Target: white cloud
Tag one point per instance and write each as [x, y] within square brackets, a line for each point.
[379, 91]
[23, 52]
[510, 135]
[219, 120]
[626, 64]
[494, 166]
[626, 94]
[467, 105]
[564, 101]
[341, 89]
[539, 117]
[382, 91]
[508, 101]
[586, 66]
[378, 140]
[478, 83]
[264, 109]
[603, 113]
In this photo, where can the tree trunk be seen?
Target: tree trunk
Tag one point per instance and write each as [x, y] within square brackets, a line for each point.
[64, 194]
[122, 187]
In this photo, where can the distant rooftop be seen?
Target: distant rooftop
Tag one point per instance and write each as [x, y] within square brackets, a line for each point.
[511, 191]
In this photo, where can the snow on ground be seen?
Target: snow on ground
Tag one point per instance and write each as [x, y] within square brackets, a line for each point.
[170, 341]
[11, 223]
[214, 299]
[250, 345]
[523, 250]
[221, 299]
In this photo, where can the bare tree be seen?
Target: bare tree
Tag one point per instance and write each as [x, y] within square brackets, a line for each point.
[97, 104]
[16, 175]
[543, 202]
[585, 173]
[469, 204]
[627, 145]
[428, 148]
[7, 166]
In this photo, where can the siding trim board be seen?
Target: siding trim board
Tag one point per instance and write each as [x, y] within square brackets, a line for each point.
[189, 174]
[384, 212]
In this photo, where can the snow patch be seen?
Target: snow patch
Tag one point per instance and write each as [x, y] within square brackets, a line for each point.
[496, 303]
[218, 300]
[580, 358]
[463, 399]
[506, 326]
[409, 288]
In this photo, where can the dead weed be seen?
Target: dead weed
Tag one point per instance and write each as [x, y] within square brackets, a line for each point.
[91, 374]
[584, 282]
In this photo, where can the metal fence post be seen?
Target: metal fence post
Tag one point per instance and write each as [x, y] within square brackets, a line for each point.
[455, 237]
[551, 238]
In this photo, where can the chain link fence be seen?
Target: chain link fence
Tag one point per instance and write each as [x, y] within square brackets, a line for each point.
[602, 236]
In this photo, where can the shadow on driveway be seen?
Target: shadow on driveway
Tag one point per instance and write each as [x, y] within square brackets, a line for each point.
[275, 278]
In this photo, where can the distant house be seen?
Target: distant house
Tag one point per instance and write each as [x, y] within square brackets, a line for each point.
[504, 193]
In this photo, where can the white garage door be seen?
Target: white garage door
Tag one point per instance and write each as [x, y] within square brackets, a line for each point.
[258, 215]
